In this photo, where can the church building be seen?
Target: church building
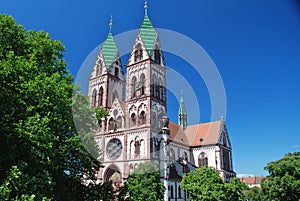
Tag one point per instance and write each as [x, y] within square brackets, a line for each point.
[137, 129]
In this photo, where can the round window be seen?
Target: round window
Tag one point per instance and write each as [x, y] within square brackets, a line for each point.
[114, 148]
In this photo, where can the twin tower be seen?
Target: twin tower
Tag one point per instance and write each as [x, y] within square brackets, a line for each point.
[129, 135]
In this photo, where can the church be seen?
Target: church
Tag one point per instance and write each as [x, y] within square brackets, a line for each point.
[138, 130]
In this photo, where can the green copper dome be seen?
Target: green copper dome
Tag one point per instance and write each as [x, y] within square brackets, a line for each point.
[109, 50]
[148, 34]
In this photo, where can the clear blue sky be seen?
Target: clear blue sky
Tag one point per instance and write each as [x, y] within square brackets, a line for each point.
[254, 44]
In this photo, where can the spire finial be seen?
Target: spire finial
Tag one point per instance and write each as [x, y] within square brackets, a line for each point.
[146, 7]
[110, 23]
[181, 95]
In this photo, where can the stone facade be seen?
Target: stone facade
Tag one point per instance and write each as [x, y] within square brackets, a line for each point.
[133, 133]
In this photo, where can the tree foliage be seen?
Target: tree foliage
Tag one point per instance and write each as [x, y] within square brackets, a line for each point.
[41, 154]
[145, 184]
[283, 181]
[254, 194]
[205, 184]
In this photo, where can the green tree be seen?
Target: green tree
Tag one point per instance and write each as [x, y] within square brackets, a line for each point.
[235, 189]
[283, 181]
[205, 184]
[41, 154]
[145, 184]
[254, 194]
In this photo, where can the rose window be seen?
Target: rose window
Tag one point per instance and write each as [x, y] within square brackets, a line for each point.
[114, 148]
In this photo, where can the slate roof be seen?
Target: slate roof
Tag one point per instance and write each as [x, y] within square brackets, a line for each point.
[148, 34]
[109, 50]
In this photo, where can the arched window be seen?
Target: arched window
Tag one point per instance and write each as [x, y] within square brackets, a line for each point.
[157, 56]
[202, 160]
[143, 118]
[111, 124]
[133, 119]
[100, 97]
[138, 53]
[94, 98]
[119, 122]
[116, 71]
[133, 87]
[172, 154]
[137, 149]
[159, 92]
[142, 84]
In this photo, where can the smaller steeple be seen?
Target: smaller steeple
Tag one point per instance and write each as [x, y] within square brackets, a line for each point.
[146, 7]
[182, 116]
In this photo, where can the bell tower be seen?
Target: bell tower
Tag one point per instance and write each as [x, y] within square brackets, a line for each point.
[146, 79]
[106, 81]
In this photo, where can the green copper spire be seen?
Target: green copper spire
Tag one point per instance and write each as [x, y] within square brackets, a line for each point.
[147, 32]
[182, 116]
[109, 49]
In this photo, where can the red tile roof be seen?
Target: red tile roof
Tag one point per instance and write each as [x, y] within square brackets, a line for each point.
[251, 180]
[196, 135]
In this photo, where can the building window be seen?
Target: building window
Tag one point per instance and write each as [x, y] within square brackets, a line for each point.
[137, 149]
[111, 124]
[133, 87]
[172, 154]
[172, 192]
[179, 192]
[143, 118]
[202, 160]
[157, 56]
[226, 163]
[100, 97]
[142, 84]
[119, 122]
[114, 148]
[94, 98]
[133, 119]
[116, 71]
[97, 70]
[138, 53]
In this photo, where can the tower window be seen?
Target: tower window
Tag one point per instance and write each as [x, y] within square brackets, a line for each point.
[138, 55]
[142, 84]
[133, 87]
[133, 119]
[100, 96]
[94, 98]
[116, 71]
[157, 56]
[143, 118]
